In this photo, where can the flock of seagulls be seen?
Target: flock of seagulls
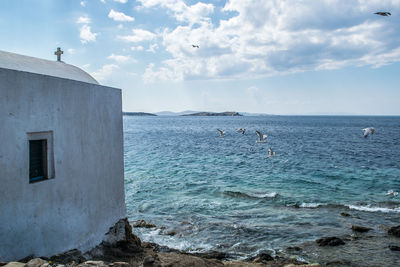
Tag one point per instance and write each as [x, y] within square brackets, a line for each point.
[262, 138]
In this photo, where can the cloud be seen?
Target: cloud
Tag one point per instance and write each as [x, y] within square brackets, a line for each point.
[196, 13]
[86, 34]
[104, 72]
[269, 37]
[71, 51]
[119, 16]
[83, 20]
[137, 48]
[139, 35]
[119, 58]
[83, 3]
[121, 1]
[152, 48]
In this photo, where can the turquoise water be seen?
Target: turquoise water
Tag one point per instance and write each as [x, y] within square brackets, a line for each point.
[226, 194]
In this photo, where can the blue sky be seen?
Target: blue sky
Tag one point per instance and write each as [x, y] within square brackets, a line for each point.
[264, 56]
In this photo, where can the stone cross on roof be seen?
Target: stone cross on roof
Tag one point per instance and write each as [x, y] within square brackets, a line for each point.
[58, 53]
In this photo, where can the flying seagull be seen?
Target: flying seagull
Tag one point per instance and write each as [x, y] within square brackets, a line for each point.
[195, 46]
[241, 130]
[262, 137]
[367, 131]
[271, 153]
[221, 133]
[385, 14]
[392, 193]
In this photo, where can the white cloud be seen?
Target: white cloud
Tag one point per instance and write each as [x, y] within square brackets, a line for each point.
[121, 1]
[83, 3]
[120, 58]
[104, 72]
[83, 20]
[71, 51]
[137, 48]
[103, 1]
[269, 37]
[86, 34]
[196, 13]
[139, 35]
[119, 16]
[152, 48]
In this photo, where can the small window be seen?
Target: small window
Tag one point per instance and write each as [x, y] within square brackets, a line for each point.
[41, 156]
[37, 160]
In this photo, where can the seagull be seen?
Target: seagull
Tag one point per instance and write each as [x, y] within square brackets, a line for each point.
[262, 137]
[392, 193]
[241, 130]
[271, 153]
[367, 131]
[221, 133]
[195, 46]
[385, 14]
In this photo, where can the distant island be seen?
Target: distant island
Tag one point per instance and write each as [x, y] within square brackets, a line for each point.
[138, 114]
[226, 113]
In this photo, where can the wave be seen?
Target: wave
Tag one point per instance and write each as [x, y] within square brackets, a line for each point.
[370, 208]
[367, 207]
[251, 195]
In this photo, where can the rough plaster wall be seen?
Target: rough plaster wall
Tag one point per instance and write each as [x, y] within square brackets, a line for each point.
[86, 197]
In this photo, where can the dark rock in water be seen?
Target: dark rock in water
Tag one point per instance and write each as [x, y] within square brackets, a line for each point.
[361, 229]
[394, 248]
[263, 258]
[171, 233]
[144, 224]
[395, 230]
[345, 214]
[295, 248]
[330, 241]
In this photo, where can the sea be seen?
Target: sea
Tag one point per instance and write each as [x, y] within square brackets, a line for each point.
[208, 193]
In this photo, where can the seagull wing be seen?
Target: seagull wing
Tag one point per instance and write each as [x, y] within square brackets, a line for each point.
[221, 132]
[260, 135]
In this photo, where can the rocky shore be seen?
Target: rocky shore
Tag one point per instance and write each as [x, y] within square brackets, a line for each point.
[122, 248]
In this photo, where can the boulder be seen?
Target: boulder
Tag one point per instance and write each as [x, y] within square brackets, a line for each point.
[35, 263]
[345, 214]
[143, 224]
[14, 264]
[361, 229]
[395, 230]
[330, 241]
[263, 258]
[394, 248]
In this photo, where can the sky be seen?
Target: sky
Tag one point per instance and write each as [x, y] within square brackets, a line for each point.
[288, 57]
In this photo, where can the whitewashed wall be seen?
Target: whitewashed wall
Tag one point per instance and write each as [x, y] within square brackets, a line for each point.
[86, 197]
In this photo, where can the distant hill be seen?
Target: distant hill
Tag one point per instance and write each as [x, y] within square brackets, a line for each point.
[138, 114]
[171, 113]
[226, 113]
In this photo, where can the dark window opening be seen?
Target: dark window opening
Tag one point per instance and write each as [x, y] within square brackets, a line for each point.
[37, 160]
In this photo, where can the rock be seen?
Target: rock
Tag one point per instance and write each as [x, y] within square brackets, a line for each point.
[295, 248]
[116, 233]
[211, 255]
[72, 255]
[395, 230]
[171, 233]
[345, 214]
[119, 264]
[394, 248]
[361, 229]
[35, 263]
[14, 264]
[143, 224]
[263, 258]
[303, 265]
[330, 241]
[93, 263]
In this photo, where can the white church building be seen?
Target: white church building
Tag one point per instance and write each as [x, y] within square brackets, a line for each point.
[61, 158]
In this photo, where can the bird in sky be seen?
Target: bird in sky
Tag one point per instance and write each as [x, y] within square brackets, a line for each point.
[241, 130]
[262, 138]
[195, 46]
[367, 131]
[221, 133]
[385, 14]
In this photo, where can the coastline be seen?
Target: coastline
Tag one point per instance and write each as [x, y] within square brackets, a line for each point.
[357, 249]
